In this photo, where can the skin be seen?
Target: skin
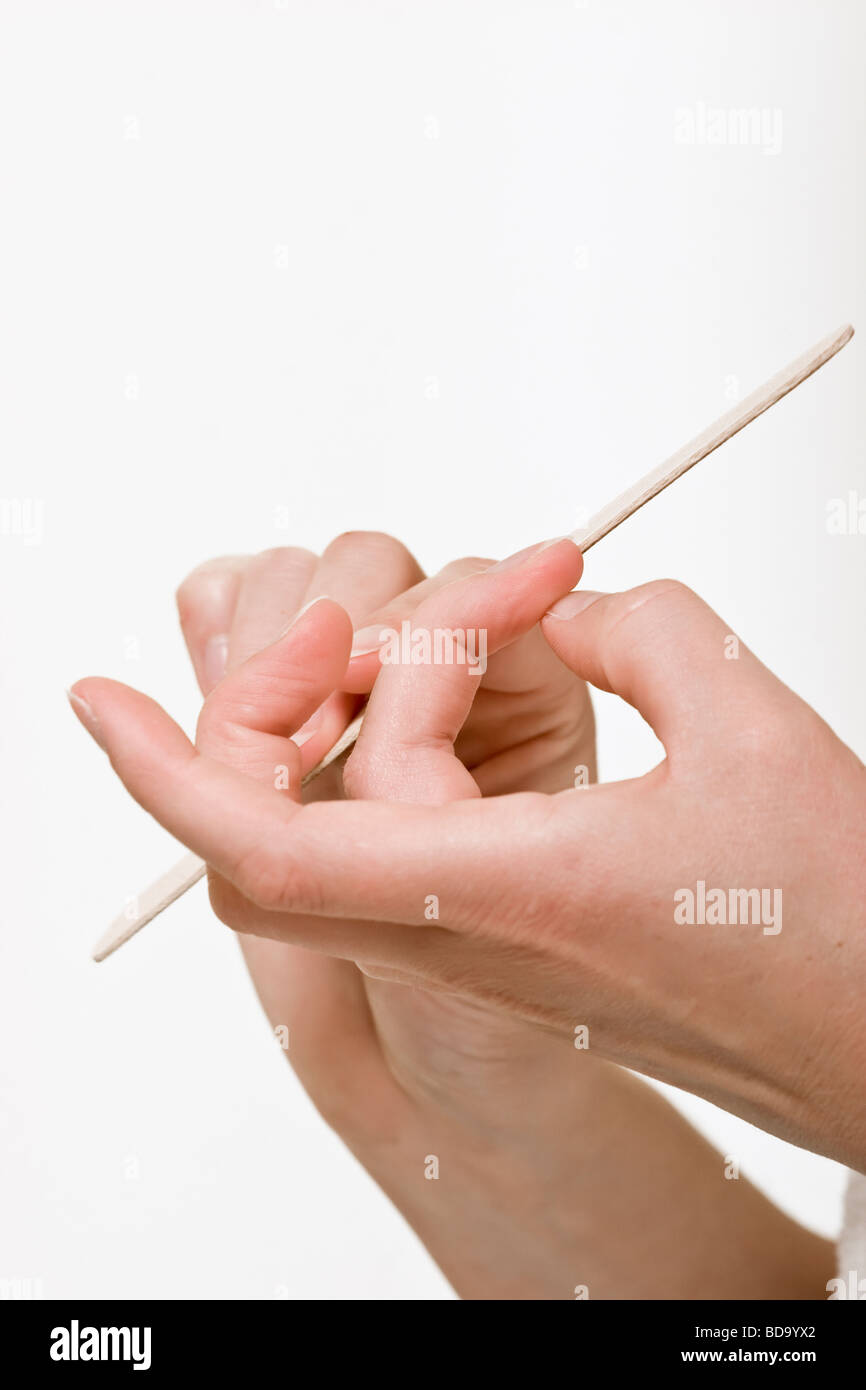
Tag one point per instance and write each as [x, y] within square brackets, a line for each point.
[454, 1037]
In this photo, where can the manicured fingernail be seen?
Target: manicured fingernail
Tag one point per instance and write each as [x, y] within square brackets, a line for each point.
[366, 641]
[308, 729]
[573, 604]
[216, 655]
[86, 717]
[529, 552]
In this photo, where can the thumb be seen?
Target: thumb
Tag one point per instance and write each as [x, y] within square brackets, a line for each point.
[666, 652]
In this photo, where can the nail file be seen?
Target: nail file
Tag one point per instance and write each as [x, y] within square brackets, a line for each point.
[173, 884]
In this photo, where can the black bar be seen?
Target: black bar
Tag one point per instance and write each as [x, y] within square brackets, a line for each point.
[251, 1337]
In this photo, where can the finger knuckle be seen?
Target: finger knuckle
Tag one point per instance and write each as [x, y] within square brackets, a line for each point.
[224, 738]
[670, 591]
[363, 547]
[201, 581]
[366, 540]
[652, 607]
[280, 561]
[452, 591]
[464, 567]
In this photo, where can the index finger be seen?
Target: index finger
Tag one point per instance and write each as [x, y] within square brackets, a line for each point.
[367, 860]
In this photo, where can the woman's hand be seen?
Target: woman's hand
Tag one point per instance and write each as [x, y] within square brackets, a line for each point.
[565, 909]
[410, 1077]
[530, 726]
[562, 1171]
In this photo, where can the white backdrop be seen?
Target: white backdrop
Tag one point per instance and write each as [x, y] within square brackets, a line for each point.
[271, 271]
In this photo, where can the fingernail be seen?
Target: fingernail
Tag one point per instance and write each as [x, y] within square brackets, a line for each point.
[573, 604]
[529, 551]
[86, 717]
[303, 736]
[366, 641]
[216, 655]
[300, 613]
[308, 729]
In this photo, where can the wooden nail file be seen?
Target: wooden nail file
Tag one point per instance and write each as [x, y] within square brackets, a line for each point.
[173, 884]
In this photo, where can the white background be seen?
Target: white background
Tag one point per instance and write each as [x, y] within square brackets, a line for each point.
[434, 268]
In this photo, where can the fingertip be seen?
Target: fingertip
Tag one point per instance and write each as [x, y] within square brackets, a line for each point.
[211, 588]
[572, 605]
[361, 673]
[323, 616]
[568, 554]
[281, 687]
[124, 721]
[90, 684]
[96, 691]
[102, 693]
[569, 547]
[77, 695]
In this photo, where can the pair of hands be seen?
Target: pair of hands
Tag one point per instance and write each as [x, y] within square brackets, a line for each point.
[555, 907]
